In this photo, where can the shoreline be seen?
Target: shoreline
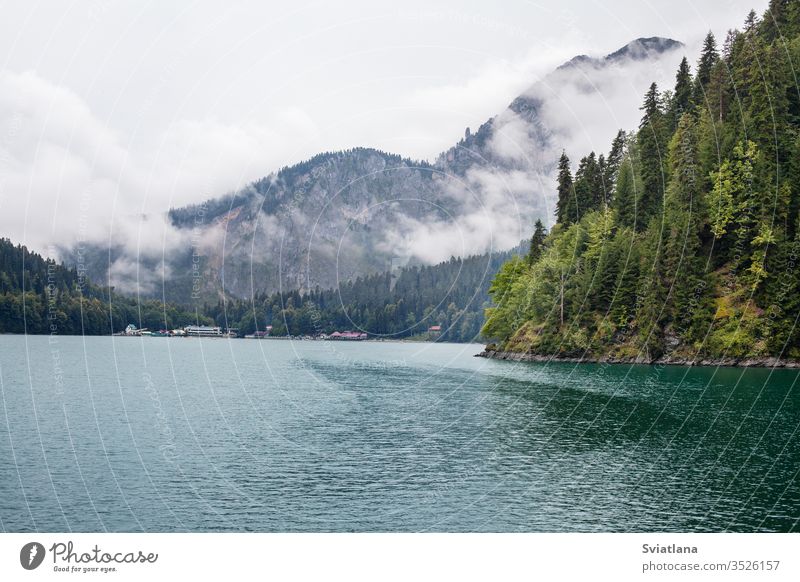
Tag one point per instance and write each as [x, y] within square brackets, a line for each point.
[754, 362]
[224, 337]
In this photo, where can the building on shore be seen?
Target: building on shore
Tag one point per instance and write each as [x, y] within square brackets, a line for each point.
[260, 334]
[203, 331]
[348, 336]
[131, 330]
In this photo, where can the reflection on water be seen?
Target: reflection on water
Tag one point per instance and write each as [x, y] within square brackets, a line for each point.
[153, 434]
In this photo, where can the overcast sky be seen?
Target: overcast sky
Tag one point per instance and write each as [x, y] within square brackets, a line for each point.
[146, 105]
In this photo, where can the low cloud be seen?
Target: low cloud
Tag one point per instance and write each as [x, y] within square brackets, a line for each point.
[585, 106]
[66, 177]
[490, 211]
[578, 109]
[61, 170]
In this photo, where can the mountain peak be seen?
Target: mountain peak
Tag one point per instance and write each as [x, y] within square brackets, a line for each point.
[577, 60]
[642, 48]
[636, 50]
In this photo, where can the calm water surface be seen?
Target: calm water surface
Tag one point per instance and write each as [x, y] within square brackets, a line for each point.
[158, 434]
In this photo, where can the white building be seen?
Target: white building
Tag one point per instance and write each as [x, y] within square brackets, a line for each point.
[203, 331]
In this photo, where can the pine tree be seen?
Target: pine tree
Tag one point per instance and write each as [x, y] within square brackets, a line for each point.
[682, 96]
[684, 219]
[625, 199]
[793, 179]
[537, 242]
[751, 22]
[566, 206]
[603, 196]
[613, 161]
[727, 46]
[589, 191]
[708, 58]
[651, 158]
[717, 274]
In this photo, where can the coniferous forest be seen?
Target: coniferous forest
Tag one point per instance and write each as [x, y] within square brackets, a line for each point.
[451, 295]
[39, 296]
[682, 242]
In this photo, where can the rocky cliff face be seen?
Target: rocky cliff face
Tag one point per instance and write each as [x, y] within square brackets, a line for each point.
[347, 213]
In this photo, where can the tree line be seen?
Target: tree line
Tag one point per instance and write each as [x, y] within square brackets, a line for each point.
[392, 305]
[40, 296]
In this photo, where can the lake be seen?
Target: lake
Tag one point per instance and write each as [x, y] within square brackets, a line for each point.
[167, 434]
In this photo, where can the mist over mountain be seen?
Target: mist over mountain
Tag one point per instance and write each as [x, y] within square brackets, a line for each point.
[343, 214]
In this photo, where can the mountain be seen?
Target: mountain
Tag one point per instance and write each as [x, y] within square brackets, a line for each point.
[686, 250]
[495, 141]
[343, 214]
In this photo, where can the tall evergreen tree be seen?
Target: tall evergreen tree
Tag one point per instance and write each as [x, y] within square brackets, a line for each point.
[613, 161]
[684, 217]
[727, 46]
[751, 22]
[781, 20]
[625, 198]
[708, 58]
[603, 193]
[537, 242]
[717, 275]
[682, 96]
[589, 192]
[651, 154]
[566, 206]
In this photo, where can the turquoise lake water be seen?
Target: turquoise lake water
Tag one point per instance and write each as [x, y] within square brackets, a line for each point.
[167, 434]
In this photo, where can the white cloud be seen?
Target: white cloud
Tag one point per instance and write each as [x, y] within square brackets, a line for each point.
[513, 139]
[201, 159]
[578, 109]
[586, 106]
[490, 211]
[60, 168]
[65, 176]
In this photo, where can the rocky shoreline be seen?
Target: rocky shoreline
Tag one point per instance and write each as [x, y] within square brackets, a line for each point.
[755, 362]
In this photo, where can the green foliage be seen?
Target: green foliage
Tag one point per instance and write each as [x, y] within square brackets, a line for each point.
[708, 59]
[613, 161]
[590, 192]
[626, 195]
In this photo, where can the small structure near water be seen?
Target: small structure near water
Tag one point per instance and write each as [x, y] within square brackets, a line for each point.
[348, 336]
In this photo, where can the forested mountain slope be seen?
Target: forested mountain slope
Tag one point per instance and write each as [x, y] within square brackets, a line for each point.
[682, 243]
